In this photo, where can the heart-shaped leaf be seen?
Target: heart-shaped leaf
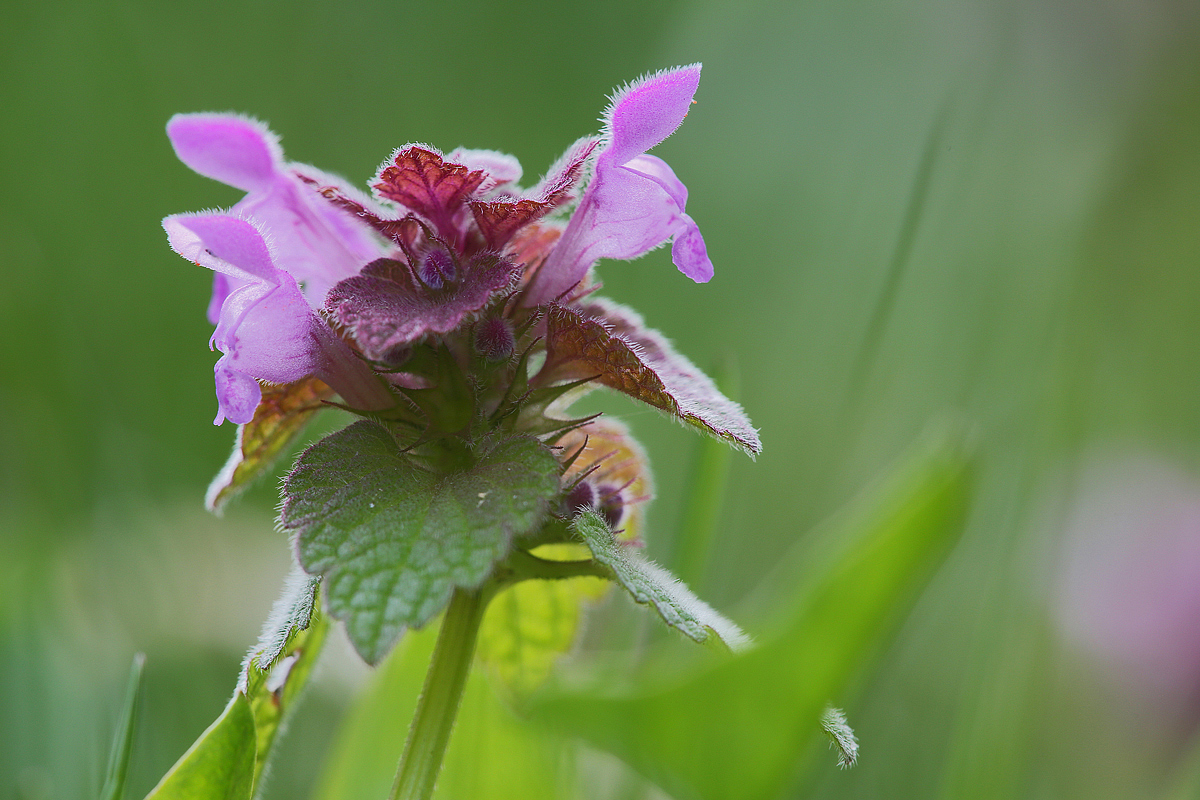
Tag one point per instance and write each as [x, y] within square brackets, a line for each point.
[393, 537]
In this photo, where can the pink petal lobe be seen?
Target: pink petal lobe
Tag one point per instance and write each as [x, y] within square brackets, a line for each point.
[237, 394]
[234, 150]
[649, 110]
[226, 244]
[655, 169]
[689, 253]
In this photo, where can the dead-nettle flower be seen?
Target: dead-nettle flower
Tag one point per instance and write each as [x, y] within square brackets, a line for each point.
[443, 237]
[634, 202]
[315, 243]
[264, 326]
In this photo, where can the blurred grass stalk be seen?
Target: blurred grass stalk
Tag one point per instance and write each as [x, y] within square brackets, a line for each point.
[123, 737]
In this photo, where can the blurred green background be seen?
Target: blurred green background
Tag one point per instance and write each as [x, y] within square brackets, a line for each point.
[987, 211]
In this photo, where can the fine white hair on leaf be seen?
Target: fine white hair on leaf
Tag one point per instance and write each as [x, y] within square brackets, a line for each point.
[224, 479]
[652, 585]
[291, 612]
[841, 737]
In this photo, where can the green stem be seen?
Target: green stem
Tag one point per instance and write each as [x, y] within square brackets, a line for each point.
[524, 566]
[438, 706]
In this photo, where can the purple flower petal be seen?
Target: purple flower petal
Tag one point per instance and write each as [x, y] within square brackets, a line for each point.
[649, 110]
[265, 328]
[634, 202]
[234, 150]
[316, 242]
[689, 253]
[237, 394]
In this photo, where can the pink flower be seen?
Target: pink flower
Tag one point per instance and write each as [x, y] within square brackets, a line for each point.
[634, 202]
[317, 243]
[265, 328]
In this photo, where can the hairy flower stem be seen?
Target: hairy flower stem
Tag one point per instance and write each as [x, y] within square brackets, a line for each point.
[438, 706]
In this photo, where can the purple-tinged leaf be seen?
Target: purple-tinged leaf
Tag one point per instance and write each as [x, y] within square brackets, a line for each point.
[402, 232]
[422, 181]
[560, 180]
[280, 417]
[610, 342]
[499, 220]
[386, 307]
[500, 168]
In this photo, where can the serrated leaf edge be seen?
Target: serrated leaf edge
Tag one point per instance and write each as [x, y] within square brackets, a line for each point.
[678, 606]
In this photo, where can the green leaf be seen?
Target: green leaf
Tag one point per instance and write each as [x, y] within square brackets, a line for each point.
[118, 761]
[841, 736]
[224, 762]
[277, 670]
[291, 615]
[719, 734]
[280, 417]
[650, 584]
[220, 765]
[531, 624]
[492, 754]
[393, 538]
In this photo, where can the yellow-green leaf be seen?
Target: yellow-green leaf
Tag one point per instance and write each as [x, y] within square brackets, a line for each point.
[280, 417]
[530, 625]
[220, 765]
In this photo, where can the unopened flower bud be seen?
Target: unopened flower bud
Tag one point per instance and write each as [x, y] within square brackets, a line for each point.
[579, 498]
[494, 339]
[610, 505]
[436, 268]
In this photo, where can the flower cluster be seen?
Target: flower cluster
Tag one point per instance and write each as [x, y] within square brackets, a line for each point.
[303, 261]
[315, 279]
